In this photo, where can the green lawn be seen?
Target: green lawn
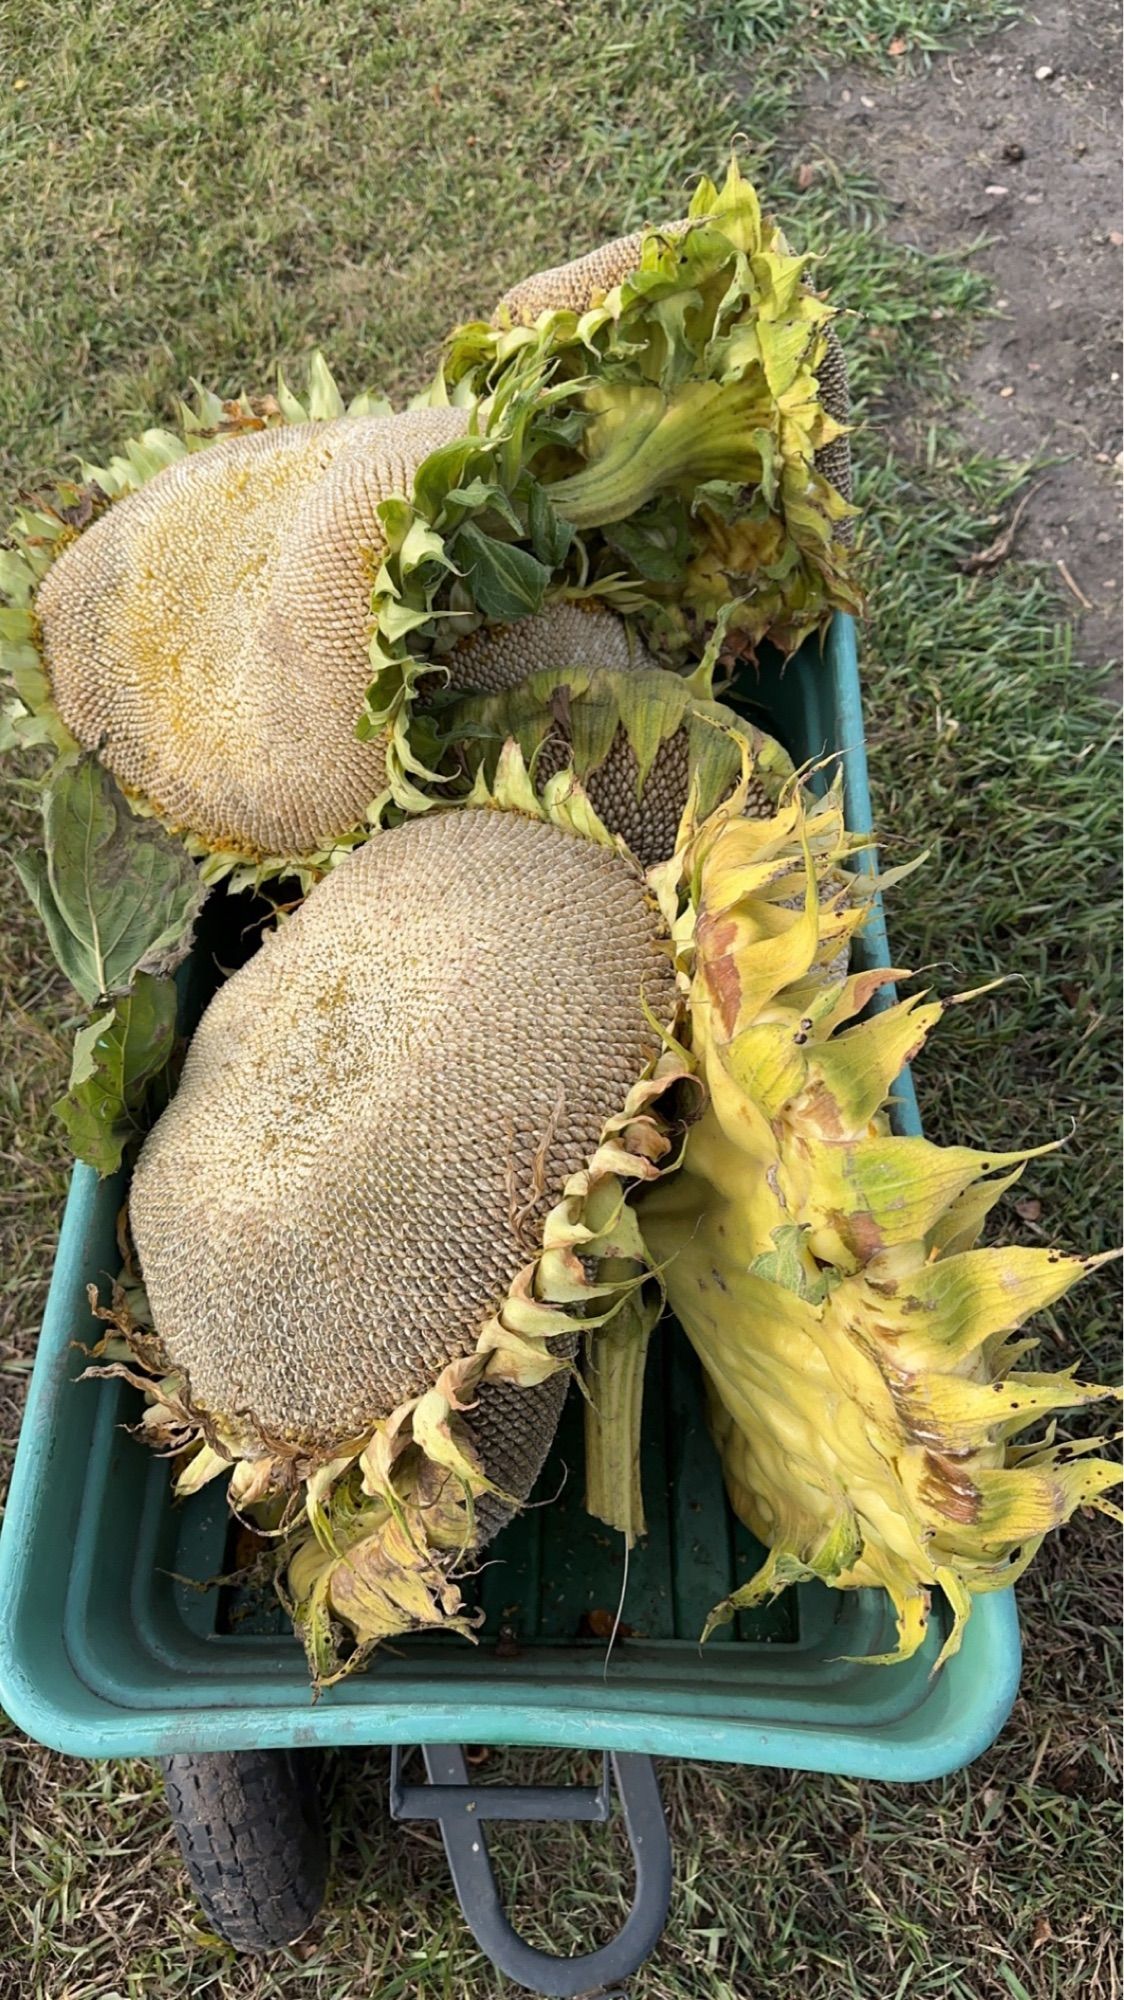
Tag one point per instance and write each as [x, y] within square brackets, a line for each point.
[207, 190]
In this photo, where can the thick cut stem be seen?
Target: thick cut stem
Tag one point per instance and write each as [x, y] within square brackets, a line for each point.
[640, 445]
[614, 1374]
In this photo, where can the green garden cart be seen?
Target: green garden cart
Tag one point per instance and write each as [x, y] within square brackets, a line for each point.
[109, 1648]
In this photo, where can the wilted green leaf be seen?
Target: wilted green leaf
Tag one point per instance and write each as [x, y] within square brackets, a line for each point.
[592, 723]
[656, 541]
[112, 889]
[679, 357]
[506, 582]
[116, 1058]
[551, 536]
[652, 707]
[443, 471]
[477, 493]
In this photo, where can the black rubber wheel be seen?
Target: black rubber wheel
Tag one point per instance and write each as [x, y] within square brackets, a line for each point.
[250, 1830]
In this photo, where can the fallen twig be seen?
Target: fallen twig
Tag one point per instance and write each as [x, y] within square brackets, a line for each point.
[998, 550]
[1071, 585]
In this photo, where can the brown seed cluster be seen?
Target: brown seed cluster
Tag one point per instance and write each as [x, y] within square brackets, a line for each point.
[648, 821]
[834, 461]
[579, 284]
[565, 634]
[208, 635]
[570, 634]
[378, 1110]
[512, 1430]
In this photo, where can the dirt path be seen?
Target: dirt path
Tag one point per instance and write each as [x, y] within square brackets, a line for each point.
[1018, 140]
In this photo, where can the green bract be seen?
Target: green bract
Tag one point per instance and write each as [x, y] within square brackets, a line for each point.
[622, 732]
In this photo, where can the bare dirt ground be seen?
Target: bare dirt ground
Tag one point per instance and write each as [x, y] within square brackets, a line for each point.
[1017, 142]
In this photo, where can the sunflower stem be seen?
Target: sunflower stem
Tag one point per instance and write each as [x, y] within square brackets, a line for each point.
[615, 1357]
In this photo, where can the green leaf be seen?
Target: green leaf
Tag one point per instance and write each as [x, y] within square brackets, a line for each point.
[499, 513]
[506, 582]
[783, 348]
[551, 536]
[20, 663]
[714, 762]
[670, 315]
[722, 497]
[396, 620]
[766, 445]
[20, 729]
[787, 1265]
[116, 1058]
[652, 706]
[443, 471]
[156, 449]
[397, 517]
[17, 579]
[592, 716]
[31, 867]
[655, 543]
[478, 493]
[369, 403]
[292, 409]
[112, 889]
[420, 544]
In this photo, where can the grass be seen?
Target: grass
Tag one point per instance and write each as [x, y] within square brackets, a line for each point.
[208, 190]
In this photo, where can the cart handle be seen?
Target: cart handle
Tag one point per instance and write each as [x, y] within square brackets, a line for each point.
[460, 1809]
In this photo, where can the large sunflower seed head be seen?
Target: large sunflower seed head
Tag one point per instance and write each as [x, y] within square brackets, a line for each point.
[208, 634]
[408, 1073]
